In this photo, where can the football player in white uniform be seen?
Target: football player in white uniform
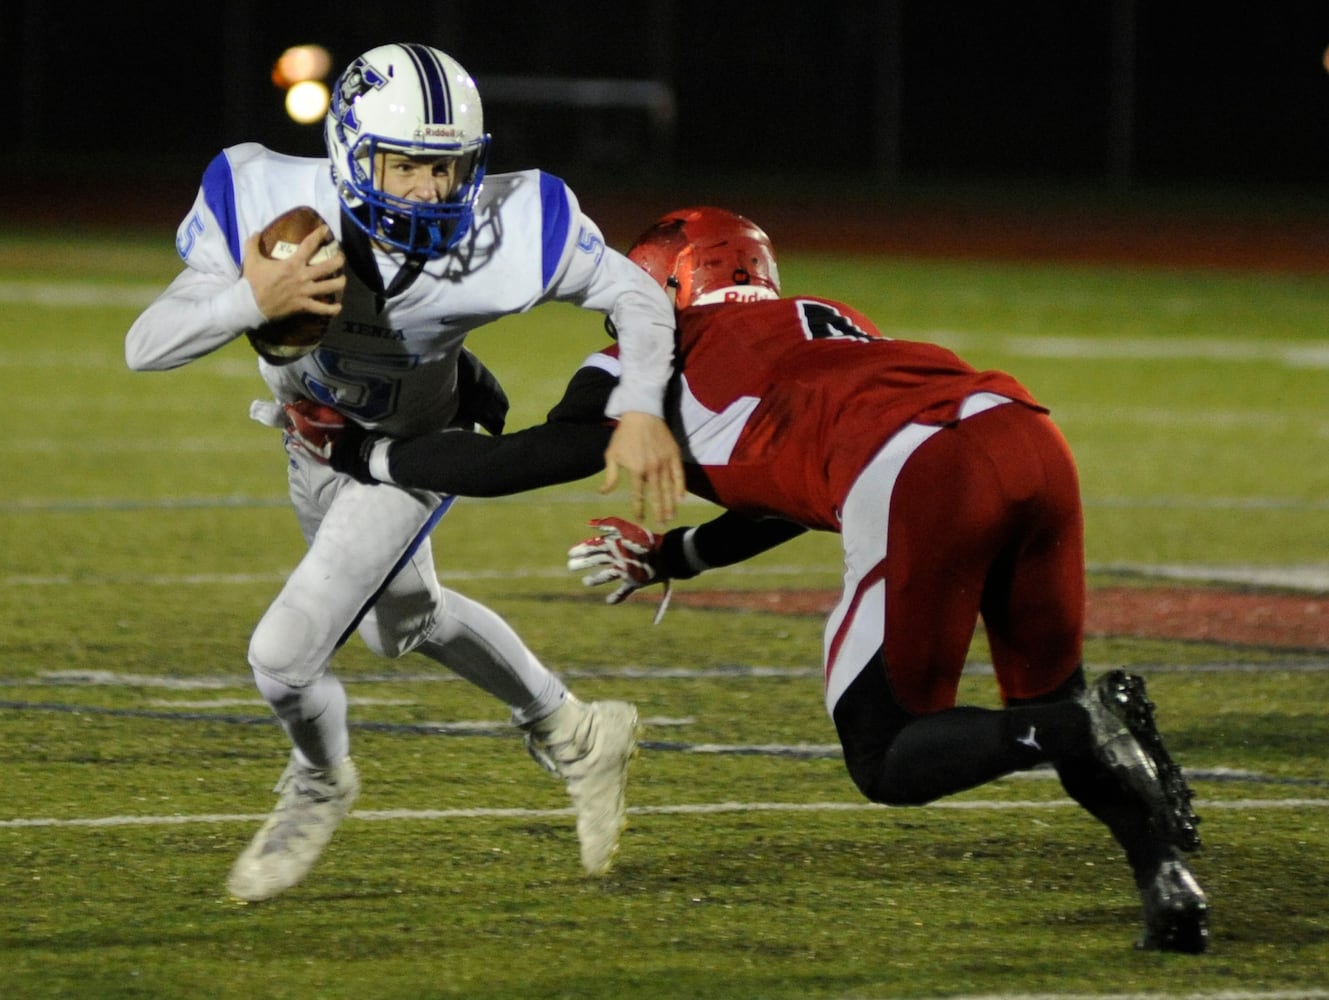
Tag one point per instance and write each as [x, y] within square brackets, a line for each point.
[433, 248]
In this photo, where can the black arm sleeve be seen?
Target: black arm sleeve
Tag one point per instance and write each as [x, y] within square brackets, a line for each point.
[481, 398]
[475, 465]
[723, 541]
[569, 446]
[585, 398]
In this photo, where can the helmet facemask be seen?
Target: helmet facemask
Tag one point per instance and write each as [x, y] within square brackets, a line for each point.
[427, 229]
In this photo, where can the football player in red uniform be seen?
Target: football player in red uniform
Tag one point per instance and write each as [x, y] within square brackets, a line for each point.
[955, 495]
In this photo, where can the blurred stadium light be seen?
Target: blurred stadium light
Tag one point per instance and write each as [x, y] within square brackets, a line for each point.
[301, 71]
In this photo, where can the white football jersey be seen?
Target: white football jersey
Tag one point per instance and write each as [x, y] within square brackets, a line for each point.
[391, 362]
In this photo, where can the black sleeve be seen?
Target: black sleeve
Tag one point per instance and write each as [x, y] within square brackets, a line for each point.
[481, 399]
[724, 540]
[476, 465]
[569, 446]
[585, 398]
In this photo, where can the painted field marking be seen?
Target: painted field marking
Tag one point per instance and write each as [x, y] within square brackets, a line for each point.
[78, 505]
[182, 711]
[1289, 353]
[693, 809]
[1313, 577]
[75, 295]
[242, 682]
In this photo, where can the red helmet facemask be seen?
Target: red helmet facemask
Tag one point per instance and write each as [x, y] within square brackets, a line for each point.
[708, 255]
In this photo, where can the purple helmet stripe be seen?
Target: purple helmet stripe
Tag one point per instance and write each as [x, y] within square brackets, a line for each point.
[434, 80]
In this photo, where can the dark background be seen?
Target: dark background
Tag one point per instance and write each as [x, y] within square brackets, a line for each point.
[1117, 95]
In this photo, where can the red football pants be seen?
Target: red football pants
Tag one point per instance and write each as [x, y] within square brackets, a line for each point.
[981, 517]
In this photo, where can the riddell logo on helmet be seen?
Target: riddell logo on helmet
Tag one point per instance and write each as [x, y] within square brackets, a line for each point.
[425, 133]
[735, 293]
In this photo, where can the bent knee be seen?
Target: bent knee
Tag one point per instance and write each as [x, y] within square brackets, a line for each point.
[878, 781]
[895, 795]
[287, 646]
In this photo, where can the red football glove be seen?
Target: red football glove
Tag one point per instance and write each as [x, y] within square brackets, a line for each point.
[623, 553]
[313, 427]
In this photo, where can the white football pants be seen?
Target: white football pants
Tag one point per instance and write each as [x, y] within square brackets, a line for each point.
[370, 568]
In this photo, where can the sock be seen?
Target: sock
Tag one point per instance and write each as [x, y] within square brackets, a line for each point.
[314, 717]
[479, 646]
[960, 748]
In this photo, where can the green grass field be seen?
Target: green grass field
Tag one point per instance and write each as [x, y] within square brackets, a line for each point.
[143, 529]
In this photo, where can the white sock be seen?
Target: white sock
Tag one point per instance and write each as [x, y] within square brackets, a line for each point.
[314, 717]
[479, 646]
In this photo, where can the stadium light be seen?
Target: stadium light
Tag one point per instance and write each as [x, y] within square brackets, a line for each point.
[300, 71]
[307, 101]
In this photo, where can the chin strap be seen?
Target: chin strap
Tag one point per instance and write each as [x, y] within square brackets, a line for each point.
[358, 248]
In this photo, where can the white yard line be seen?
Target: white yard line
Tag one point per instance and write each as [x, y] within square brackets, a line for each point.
[1290, 353]
[76, 295]
[1311, 577]
[241, 681]
[75, 505]
[1236, 350]
[693, 809]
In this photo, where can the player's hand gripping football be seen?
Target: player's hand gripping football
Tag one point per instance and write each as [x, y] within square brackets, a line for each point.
[623, 553]
[311, 279]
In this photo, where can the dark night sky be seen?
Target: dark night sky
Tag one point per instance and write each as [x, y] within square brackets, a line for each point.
[1234, 93]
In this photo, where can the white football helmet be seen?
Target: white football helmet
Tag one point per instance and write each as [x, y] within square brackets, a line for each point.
[409, 99]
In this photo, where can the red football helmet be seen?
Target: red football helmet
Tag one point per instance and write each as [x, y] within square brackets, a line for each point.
[708, 255]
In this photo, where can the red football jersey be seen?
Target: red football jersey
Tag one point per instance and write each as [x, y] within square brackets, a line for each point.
[784, 402]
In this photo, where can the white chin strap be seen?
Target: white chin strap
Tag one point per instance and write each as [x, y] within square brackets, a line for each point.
[736, 293]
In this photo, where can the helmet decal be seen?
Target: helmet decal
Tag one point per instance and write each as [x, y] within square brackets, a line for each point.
[359, 79]
[433, 82]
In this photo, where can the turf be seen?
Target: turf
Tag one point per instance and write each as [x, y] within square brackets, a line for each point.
[144, 530]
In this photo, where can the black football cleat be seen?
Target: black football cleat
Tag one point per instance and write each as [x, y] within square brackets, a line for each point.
[1127, 743]
[1176, 913]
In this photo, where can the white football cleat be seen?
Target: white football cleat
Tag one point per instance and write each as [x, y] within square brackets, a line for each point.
[311, 807]
[589, 746]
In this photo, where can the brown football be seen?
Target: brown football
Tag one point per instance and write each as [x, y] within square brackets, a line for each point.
[283, 340]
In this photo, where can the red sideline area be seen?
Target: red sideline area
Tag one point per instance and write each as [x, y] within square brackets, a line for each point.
[1274, 621]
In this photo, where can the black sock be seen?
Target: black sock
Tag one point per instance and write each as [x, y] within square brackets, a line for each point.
[959, 748]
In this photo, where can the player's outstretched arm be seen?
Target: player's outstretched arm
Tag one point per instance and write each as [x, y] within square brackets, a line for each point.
[467, 463]
[568, 446]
